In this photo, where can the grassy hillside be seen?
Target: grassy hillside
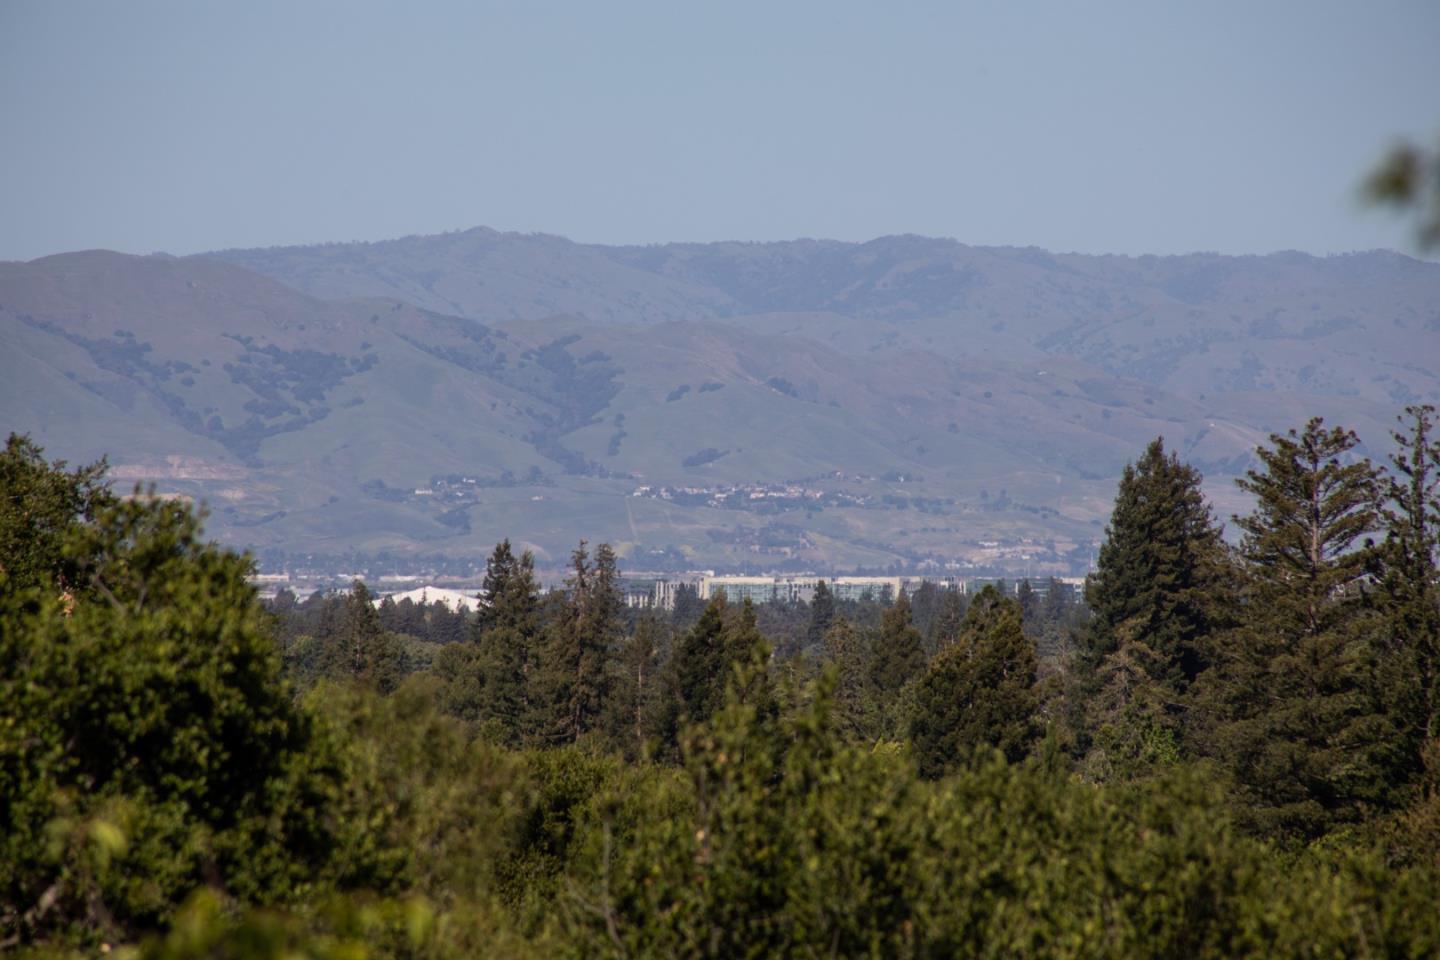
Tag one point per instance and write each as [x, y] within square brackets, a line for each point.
[1359, 325]
[732, 405]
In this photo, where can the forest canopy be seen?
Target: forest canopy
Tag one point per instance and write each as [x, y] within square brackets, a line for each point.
[1220, 750]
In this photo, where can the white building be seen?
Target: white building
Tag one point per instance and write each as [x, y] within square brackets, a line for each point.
[456, 600]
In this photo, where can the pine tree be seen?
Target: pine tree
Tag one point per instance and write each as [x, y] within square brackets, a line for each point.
[1056, 615]
[822, 615]
[745, 647]
[1298, 725]
[1409, 580]
[576, 669]
[499, 571]
[1029, 608]
[949, 621]
[1160, 573]
[899, 651]
[854, 707]
[491, 682]
[978, 692]
[360, 649]
[635, 685]
[1135, 720]
[925, 605]
[694, 681]
[687, 609]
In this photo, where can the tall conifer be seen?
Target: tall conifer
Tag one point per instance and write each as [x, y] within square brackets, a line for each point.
[978, 692]
[899, 650]
[576, 669]
[1309, 746]
[822, 614]
[1409, 580]
[505, 636]
[360, 649]
[1159, 576]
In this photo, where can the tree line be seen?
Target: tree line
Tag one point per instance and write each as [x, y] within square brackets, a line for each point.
[1226, 750]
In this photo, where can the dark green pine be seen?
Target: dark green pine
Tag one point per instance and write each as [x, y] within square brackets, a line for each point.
[979, 692]
[1160, 576]
[1308, 743]
[898, 655]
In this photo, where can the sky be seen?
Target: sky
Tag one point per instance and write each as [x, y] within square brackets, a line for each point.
[1145, 127]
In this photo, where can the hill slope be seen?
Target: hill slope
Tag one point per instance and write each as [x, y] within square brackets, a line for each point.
[742, 405]
[1361, 325]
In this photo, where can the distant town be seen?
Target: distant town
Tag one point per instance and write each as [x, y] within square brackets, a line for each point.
[659, 591]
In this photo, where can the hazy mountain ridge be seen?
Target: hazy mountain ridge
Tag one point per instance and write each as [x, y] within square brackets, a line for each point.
[824, 404]
[1351, 325]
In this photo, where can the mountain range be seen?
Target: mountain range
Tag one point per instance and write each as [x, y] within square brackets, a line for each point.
[907, 402]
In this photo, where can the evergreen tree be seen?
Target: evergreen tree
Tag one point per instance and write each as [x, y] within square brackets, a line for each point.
[391, 617]
[687, 609]
[949, 621]
[500, 569]
[1299, 726]
[1056, 608]
[1313, 503]
[360, 649]
[822, 615]
[445, 625]
[489, 680]
[695, 679]
[854, 707]
[745, 647]
[1135, 720]
[1409, 577]
[978, 692]
[924, 608]
[899, 651]
[577, 671]
[1160, 573]
[1029, 608]
[635, 685]
[1057, 613]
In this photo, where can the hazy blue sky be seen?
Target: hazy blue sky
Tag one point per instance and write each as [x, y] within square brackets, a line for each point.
[1126, 127]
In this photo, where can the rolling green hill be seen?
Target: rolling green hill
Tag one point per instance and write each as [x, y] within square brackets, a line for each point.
[810, 404]
[1361, 325]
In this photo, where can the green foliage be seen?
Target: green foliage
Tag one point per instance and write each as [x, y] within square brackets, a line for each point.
[574, 677]
[695, 680]
[855, 713]
[1291, 701]
[1313, 502]
[360, 649]
[1136, 722]
[635, 686]
[147, 745]
[822, 615]
[1410, 594]
[978, 693]
[1408, 179]
[1160, 573]
[489, 680]
[40, 503]
[823, 848]
[162, 791]
[949, 621]
[898, 655]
